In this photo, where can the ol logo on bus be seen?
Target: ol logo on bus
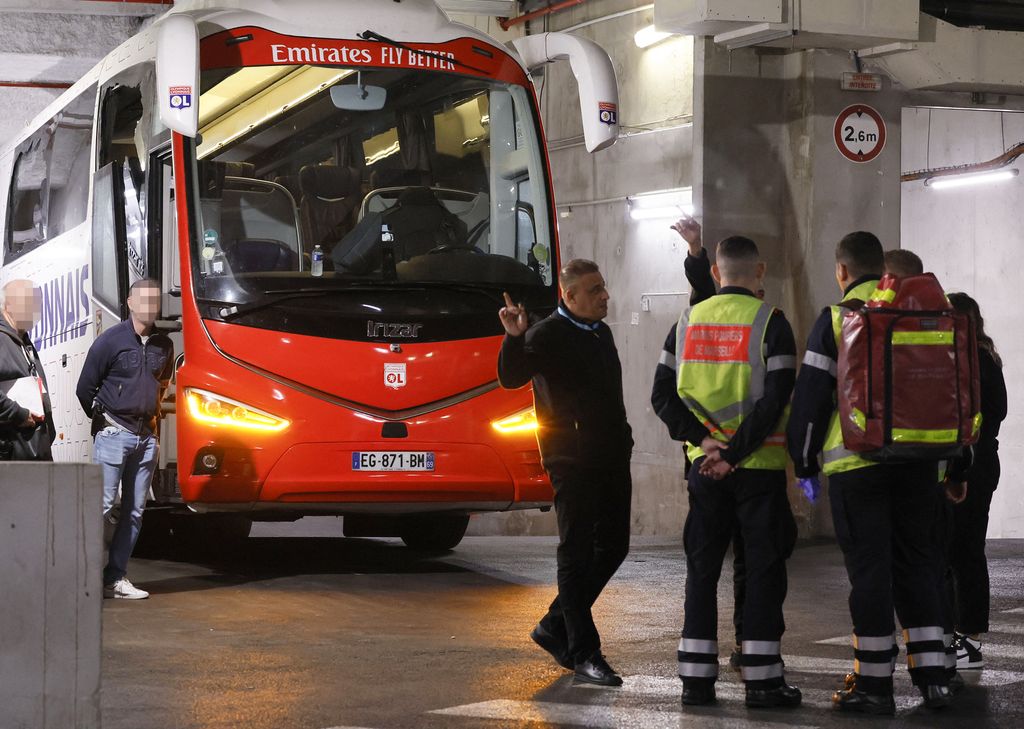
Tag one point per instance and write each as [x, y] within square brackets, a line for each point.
[181, 97]
[394, 375]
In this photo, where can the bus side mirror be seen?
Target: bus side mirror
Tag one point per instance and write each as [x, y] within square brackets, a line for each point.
[595, 76]
[177, 74]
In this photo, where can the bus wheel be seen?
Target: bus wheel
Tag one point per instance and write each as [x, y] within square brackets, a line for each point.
[434, 532]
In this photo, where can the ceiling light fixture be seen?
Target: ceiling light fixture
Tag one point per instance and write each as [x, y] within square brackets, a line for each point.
[943, 182]
[661, 204]
[647, 37]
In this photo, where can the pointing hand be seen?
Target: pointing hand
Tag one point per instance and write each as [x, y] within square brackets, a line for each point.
[689, 229]
[513, 317]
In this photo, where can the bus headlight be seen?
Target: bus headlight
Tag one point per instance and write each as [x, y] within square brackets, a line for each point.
[219, 410]
[525, 421]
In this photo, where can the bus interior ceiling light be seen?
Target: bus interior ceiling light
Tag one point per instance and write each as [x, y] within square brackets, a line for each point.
[525, 421]
[970, 178]
[647, 37]
[206, 407]
[661, 204]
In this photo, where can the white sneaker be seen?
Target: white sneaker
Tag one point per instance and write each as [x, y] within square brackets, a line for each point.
[124, 590]
[968, 652]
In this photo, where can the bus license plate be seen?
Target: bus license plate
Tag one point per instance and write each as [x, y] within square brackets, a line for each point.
[392, 461]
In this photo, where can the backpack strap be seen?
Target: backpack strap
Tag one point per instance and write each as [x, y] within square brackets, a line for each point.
[852, 304]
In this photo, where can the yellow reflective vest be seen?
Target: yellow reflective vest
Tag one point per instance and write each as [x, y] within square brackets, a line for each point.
[722, 369]
[837, 458]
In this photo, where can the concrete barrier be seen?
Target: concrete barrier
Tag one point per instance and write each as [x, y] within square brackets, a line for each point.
[51, 595]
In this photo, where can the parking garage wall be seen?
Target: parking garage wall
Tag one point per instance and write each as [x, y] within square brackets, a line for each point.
[971, 238]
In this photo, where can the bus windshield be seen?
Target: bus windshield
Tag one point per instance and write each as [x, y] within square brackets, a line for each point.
[435, 184]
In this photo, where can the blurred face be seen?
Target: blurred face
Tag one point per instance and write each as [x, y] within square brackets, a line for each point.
[23, 304]
[588, 297]
[144, 304]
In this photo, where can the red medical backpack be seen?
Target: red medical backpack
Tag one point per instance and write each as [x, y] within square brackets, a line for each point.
[908, 373]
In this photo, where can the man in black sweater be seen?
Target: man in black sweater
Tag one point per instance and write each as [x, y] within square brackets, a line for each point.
[585, 444]
[125, 374]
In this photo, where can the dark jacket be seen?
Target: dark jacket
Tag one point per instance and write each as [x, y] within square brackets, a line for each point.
[126, 376]
[778, 344]
[980, 464]
[665, 391]
[18, 358]
[577, 391]
[814, 399]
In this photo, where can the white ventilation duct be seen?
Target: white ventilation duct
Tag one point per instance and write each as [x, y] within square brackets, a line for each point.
[950, 58]
[916, 50]
[848, 24]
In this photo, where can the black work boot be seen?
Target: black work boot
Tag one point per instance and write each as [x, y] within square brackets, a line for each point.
[854, 700]
[698, 692]
[784, 696]
[935, 696]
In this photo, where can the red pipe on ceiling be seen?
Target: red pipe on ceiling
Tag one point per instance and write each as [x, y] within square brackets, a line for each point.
[507, 23]
[34, 85]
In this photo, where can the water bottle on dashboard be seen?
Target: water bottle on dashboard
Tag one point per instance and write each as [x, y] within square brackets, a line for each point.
[317, 269]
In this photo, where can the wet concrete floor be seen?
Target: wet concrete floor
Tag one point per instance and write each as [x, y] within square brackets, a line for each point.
[302, 628]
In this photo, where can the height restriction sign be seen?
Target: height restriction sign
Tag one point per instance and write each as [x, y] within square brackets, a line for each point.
[859, 133]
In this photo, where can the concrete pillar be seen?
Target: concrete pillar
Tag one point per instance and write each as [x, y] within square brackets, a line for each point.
[51, 542]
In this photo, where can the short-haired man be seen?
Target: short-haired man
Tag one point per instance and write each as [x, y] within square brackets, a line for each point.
[586, 444]
[902, 263]
[674, 413]
[737, 365]
[122, 383]
[26, 433]
[884, 514]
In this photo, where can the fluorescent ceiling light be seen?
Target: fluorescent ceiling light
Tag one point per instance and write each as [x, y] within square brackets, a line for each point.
[661, 205]
[497, 8]
[970, 178]
[648, 36]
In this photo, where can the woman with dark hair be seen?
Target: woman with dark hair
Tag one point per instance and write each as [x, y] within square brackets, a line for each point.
[967, 561]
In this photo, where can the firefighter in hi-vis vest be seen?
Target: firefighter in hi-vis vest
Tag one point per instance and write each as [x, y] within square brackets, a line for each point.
[737, 365]
[884, 514]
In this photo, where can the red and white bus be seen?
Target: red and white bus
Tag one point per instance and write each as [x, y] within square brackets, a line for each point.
[334, 194]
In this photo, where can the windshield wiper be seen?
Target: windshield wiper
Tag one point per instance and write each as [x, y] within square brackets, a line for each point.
[371, 35]
[231, 310]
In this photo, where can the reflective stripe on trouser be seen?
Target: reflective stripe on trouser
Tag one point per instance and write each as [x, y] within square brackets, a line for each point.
[756, 501]
[926, 647]
[761, 660]
[697, 658]
[874, 655]
[885, 521]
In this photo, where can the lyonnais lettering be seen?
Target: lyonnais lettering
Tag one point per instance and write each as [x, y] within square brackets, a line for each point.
[344, 55]
[65, 310]
[716, 343]
[377, 329]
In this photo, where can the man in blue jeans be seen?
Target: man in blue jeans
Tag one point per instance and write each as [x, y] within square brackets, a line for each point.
[123, 380]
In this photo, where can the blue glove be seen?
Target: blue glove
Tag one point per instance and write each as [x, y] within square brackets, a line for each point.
[811, 487]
